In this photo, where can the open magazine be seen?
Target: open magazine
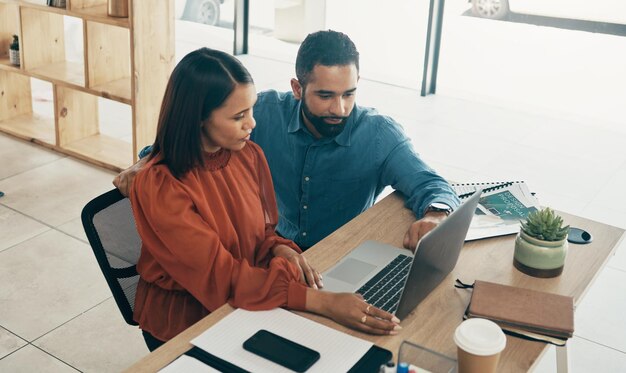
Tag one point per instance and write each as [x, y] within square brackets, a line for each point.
[500, 209]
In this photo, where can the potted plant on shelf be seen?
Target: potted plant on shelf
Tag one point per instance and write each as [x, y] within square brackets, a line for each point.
[541, 245]
[14, 51]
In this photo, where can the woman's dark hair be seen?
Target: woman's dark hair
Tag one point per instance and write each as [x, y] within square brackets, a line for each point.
[326, 48]
[199, 84]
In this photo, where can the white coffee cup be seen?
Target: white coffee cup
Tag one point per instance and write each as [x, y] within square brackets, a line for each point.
[479, 343]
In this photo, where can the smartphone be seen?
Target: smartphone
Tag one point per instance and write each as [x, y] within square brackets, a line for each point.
[282, 351]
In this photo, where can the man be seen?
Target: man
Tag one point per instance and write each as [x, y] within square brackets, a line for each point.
[330, 158]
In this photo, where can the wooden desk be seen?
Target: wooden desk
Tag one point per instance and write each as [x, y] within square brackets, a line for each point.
[433, 322]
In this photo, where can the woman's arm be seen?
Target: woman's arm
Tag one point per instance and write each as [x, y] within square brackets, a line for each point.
[308, 274]
[187, 248]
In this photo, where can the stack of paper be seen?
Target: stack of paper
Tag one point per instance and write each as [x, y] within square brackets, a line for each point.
[339, 351]
[501, 207]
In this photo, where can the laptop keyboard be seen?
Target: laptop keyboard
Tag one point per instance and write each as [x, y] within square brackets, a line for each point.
[384, 289]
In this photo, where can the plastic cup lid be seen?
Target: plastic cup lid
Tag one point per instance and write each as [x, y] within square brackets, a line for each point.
[480, 337]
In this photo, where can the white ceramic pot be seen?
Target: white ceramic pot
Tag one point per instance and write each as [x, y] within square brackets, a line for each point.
[539, 258]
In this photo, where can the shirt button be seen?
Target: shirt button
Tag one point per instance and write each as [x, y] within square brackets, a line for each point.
[306, 178]
[304, 234]
[305, 207]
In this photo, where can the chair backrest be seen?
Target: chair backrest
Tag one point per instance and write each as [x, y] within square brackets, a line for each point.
[110, 227]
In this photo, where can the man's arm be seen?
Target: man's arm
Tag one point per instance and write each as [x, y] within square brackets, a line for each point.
[125, 178]
[420, 227]
[422, 186]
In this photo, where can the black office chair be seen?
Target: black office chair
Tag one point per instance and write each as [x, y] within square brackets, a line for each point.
[110, 227]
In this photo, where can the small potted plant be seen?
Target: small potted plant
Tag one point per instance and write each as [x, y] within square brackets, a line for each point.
[14, 51]
[541, 245]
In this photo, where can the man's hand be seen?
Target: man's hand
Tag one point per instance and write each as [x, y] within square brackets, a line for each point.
[422, 226]
[125, 178]
[309, 275]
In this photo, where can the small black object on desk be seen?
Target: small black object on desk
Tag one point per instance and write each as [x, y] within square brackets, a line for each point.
[579, 236]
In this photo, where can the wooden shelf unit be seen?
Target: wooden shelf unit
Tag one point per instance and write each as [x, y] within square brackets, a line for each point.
[127, 60]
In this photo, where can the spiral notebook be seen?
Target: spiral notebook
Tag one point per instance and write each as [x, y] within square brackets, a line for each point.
[500, 209]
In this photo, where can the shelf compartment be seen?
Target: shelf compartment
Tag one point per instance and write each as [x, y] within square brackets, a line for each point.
[17, 116]
[38, 3]
[41, 5]
[78, 123]
[5, 64]
[108, 59]
[115, 90]
[31, 127]
[105, 151]
[9, 26]
[81, 87]
[115, 119]
[76, 113]
[96, 10]
[61, 73]
[86, 9]
[118, 90]
[44, 47]
[15, 99]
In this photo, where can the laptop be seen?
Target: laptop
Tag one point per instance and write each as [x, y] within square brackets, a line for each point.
[396, 280]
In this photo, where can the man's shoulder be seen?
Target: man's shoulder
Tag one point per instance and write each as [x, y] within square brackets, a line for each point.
[370, 119]
[273, 112]
[272, 96]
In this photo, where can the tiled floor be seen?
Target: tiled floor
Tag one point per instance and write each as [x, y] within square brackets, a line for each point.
[57, 314]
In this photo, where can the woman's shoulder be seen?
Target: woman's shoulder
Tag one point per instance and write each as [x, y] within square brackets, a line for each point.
[155, 175]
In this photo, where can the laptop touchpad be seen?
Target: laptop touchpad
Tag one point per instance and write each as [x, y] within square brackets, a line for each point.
[351, 271]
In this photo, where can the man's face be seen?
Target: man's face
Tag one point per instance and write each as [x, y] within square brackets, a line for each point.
[328, 98]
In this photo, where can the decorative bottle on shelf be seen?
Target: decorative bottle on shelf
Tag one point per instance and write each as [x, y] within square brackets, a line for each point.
[14, 51]
[118, 8]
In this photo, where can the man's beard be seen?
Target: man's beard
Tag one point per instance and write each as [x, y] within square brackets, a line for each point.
[324, 129]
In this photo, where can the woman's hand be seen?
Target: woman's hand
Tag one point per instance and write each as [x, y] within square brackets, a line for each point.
[352, 311]
[125, 178]
[309, 275]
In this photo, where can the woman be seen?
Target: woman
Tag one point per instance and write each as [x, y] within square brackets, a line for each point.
[205, 209]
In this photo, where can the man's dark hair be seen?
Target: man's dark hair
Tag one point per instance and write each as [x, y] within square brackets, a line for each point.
[326, 48]
[199, 84]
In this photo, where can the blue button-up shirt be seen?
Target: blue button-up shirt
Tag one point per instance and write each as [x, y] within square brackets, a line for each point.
[322, 184]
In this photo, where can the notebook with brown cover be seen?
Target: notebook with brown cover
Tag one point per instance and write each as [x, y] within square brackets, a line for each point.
[522, 310]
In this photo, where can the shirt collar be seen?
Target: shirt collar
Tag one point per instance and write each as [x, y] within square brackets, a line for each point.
[343, 139]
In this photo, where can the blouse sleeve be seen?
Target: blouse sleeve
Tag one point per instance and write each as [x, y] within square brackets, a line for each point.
[190, 251]
[268, 200]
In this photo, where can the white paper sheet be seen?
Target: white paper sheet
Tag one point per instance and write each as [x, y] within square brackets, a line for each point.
[338, 351]
[188, 364]
[500, 209]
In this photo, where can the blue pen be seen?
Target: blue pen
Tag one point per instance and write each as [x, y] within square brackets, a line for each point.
[403, 368]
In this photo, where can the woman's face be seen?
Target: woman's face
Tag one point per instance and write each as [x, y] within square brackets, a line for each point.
[230, 125]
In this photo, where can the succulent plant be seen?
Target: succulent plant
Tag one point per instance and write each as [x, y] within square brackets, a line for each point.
[545, 225]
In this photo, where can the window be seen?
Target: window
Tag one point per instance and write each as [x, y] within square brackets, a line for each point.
[562, 57]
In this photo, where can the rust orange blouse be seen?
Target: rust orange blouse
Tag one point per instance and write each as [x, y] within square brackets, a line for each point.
[207, 240]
